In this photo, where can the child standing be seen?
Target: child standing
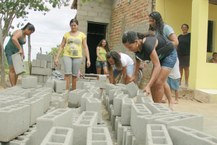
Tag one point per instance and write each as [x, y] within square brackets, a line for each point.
[174, 79]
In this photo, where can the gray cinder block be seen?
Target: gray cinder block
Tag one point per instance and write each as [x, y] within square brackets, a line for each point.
[18, 63]
[29, 82]
[157, 134]
[126, 111]
[59, 135]
[182, 135]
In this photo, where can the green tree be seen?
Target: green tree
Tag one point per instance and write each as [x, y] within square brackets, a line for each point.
[11, 9]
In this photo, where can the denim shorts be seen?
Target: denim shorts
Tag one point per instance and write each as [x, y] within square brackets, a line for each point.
[170, 60]
[101, 64]
[173, 83]
[71, 65]
[9, 59]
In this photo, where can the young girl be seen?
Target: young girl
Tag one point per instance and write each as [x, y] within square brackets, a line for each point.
[101, 62]
[162, 54]
[120, 62]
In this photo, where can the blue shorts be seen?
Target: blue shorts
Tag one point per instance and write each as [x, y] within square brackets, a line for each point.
[170, 60]
[9, 59]
[173, 83]
[101, 64]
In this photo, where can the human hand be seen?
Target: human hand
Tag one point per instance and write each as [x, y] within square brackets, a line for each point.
[21, 53]
[88, 63]
[147, 90]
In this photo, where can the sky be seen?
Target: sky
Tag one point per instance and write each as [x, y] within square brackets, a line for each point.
[49, 29]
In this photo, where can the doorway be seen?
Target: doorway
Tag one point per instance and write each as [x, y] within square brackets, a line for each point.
[95, 33]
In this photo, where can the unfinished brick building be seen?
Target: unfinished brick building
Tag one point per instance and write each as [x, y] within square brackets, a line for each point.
[109, 19]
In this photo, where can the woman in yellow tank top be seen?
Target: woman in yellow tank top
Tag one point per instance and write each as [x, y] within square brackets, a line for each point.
[101, 62]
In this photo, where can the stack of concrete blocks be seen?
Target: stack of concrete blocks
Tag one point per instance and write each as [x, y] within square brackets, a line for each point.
[59, 135]
[59, 117]
[85, 120]
[75, 97]
[157, 134]
[185, 136]
[42, 67]
[14, 120]
[29, 82]
[98, 135]
[18, 63]
[25, 138]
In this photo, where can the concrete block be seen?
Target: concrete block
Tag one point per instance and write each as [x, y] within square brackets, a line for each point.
[126, 111]
[113, 93]
[98, 135]
[14, 120]
[18, 63]
[41, 71]
[59, 135]
[117, 103]
[101, 83]
[109, 87]
[157, 134]
[7, 100]
[182, 135]
[132, 89]
[46, 57]
[50, 83]
[29, 82]
[137, 125]
[83, 101]
[59, 117]
[93, 104]
[206, 95]
[60, 86]
[188, 120]
[127, 135]
[85, 120]
[43, 64]
[36, 108]
[75, 97]
[157, 107]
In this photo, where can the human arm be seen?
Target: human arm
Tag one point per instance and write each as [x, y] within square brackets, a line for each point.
[124, 74]
[136, 70]
[84, 43]
[16, 35]
[62, 45]
[155, 70]
[111, 75]
[97, 53]
[173, 38]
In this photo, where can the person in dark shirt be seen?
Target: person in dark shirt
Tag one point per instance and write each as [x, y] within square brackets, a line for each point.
[184, 52]
[162, 54]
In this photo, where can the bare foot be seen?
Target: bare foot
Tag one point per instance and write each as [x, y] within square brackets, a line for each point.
[176, 102]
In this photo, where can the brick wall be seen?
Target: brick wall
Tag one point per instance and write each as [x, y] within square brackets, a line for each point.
[128, 15]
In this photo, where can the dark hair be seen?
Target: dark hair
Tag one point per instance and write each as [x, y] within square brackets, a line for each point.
[106, 46]
[117, 58]
[185, 25]
[131, 36]
[73, 21]
[214, 53]
[29, 26]
[159, 22]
